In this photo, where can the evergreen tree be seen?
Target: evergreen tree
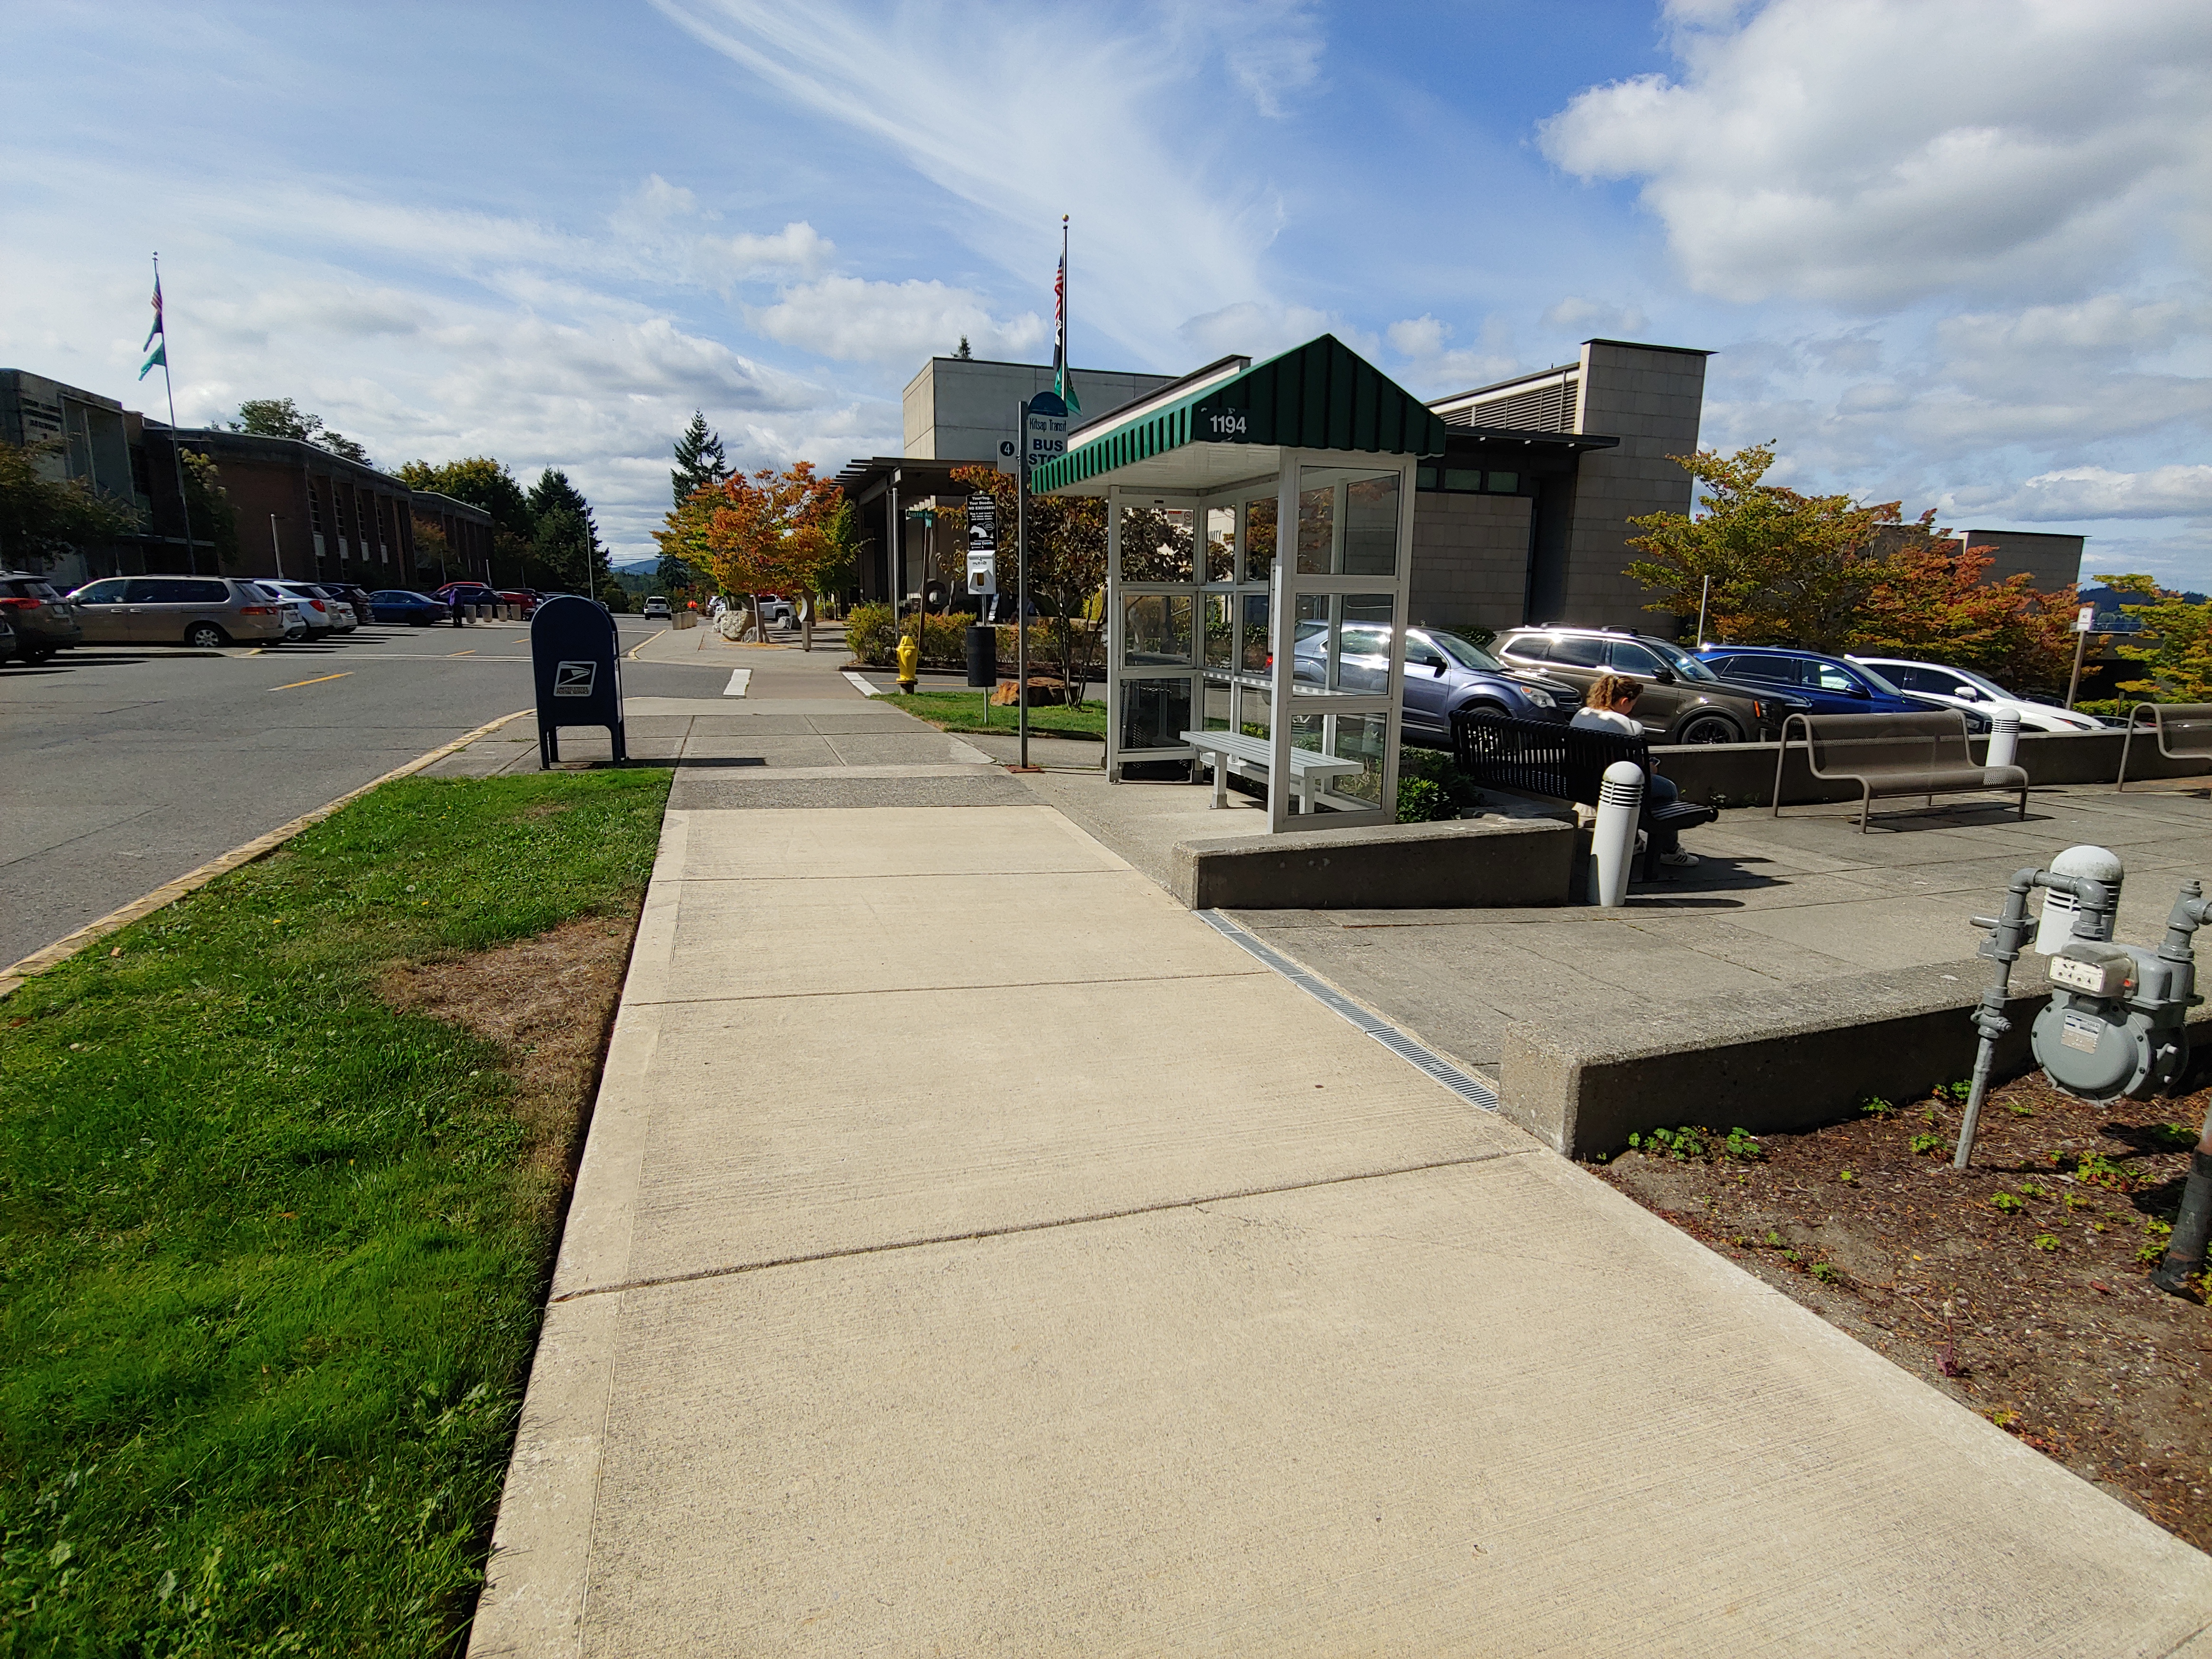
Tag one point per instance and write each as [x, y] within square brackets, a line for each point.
[699, 459]
[963, 353]
[564, 536]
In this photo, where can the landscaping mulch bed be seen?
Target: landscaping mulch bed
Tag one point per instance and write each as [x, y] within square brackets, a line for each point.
[2020, 1287]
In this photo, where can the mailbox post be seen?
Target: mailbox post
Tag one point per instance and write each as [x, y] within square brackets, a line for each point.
[575, 656]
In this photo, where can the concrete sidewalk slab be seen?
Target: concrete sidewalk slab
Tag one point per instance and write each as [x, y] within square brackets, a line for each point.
[1068, 1315]
[1417, 1416]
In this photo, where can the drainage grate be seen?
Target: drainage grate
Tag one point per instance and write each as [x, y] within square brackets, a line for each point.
[1465, 1084]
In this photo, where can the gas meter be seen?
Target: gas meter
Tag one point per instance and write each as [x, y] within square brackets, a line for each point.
[2113, 1026]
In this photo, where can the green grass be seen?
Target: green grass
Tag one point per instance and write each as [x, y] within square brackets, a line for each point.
[271, 1259]
[963, 711]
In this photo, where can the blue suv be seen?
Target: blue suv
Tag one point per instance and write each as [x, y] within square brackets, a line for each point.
[1831, 684]
[1445, 674]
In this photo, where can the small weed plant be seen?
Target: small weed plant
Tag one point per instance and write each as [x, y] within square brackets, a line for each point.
[1928, 1146]
[2010, 1203]
[1689, 1143]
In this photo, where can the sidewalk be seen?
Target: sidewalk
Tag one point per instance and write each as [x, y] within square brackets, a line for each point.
[976, 1253]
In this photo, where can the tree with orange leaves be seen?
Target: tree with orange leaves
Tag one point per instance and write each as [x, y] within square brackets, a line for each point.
[772, 533]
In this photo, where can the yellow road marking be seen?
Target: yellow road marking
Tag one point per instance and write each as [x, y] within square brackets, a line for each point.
[470, 652]
[317, 680]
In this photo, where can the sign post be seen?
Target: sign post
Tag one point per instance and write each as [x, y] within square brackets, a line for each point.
[983, 544]
[2084, 620]
[1042, 421]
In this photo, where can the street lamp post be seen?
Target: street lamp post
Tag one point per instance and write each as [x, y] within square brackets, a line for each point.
[276, 547]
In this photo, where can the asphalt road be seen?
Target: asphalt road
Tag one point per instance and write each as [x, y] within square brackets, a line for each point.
[122, 767]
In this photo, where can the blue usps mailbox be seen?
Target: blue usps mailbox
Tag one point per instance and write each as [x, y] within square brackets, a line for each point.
[577, 658]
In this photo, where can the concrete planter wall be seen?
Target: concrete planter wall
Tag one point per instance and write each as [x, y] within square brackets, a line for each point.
[1742, 773]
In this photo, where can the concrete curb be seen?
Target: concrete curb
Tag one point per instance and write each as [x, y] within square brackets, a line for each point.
[1794, 1062]
[12, 976]
[1478, 863]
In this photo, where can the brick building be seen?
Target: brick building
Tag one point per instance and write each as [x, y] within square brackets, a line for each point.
[303, 514]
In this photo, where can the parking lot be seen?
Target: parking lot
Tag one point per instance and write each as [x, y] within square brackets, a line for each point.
[123, 767]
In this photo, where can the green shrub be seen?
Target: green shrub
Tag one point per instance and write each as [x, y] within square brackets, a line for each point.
[1420, 801]
[869, 631]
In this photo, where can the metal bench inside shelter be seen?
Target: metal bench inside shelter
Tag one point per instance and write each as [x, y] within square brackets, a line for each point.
[2183, 731]
[1891, 754]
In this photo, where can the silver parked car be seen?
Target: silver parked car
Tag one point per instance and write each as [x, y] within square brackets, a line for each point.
[204, 611]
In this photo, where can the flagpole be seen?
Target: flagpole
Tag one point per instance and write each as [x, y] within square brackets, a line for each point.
[176, 448]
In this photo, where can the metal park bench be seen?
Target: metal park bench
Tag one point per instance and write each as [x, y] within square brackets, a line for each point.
[2184, 729]
[1553, 759]
[1232, 751]
[1890, 755]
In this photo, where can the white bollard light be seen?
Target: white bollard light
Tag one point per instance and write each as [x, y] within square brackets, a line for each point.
[2004, 737]
[1612, 840]
[2056, 926]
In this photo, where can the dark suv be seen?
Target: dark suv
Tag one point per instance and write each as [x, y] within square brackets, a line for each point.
[1445, 674]
[1682, 700]
[44, 622]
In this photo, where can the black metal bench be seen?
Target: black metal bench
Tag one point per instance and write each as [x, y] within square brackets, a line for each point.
[2183, 731]
[1895, 755]
[1553, 759]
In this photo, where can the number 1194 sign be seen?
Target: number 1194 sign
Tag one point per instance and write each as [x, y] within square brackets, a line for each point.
[1220, 426]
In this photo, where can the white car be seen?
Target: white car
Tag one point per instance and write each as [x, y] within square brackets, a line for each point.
[1962, 688]
[344, 617]
[320, 614]
[656, 606]
[300, 621]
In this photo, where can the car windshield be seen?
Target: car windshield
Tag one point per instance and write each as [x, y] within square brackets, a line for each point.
[1680, 662]
[1466, 653]
[1988, 687]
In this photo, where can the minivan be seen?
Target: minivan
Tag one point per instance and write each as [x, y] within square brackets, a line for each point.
[203, 611]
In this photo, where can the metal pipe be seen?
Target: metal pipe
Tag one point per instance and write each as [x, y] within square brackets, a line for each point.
[2007, 935]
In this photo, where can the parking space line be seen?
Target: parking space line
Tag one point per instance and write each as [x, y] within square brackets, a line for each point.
[739, 679]
[317, 680]
[470, 652]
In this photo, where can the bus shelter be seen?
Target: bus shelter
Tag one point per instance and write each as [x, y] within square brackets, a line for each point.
[1218, 622]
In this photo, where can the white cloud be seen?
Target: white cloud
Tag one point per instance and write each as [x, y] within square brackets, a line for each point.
[1866, 154]
[1432, 367]
[1582, 317]
[662, 225]
[2096, 492]
[1133, 107]
[894, 324]
[1258, 331]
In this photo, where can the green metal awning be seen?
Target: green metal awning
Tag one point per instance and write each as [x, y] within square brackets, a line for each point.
[1321, 395]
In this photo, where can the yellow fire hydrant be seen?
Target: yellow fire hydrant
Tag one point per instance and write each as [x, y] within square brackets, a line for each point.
[909, 662]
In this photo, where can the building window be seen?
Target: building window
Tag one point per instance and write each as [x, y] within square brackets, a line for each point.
[1466, 481]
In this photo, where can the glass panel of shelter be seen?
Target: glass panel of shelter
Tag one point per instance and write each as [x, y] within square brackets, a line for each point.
[1236, 654]
[1344, 590]
[1156, 629]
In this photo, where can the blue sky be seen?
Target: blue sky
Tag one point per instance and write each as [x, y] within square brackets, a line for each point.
[1954, 252]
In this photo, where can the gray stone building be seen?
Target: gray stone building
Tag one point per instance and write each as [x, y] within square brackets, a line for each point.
[1525, 516]
[98, 443]
[959, 409]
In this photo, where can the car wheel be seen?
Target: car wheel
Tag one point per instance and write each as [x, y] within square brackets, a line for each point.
[1709, 728]
[205, 636]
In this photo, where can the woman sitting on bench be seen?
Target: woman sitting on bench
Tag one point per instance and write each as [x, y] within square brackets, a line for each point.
[1605, 708]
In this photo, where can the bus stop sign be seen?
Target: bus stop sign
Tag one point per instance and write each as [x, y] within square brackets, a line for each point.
[576, 658]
